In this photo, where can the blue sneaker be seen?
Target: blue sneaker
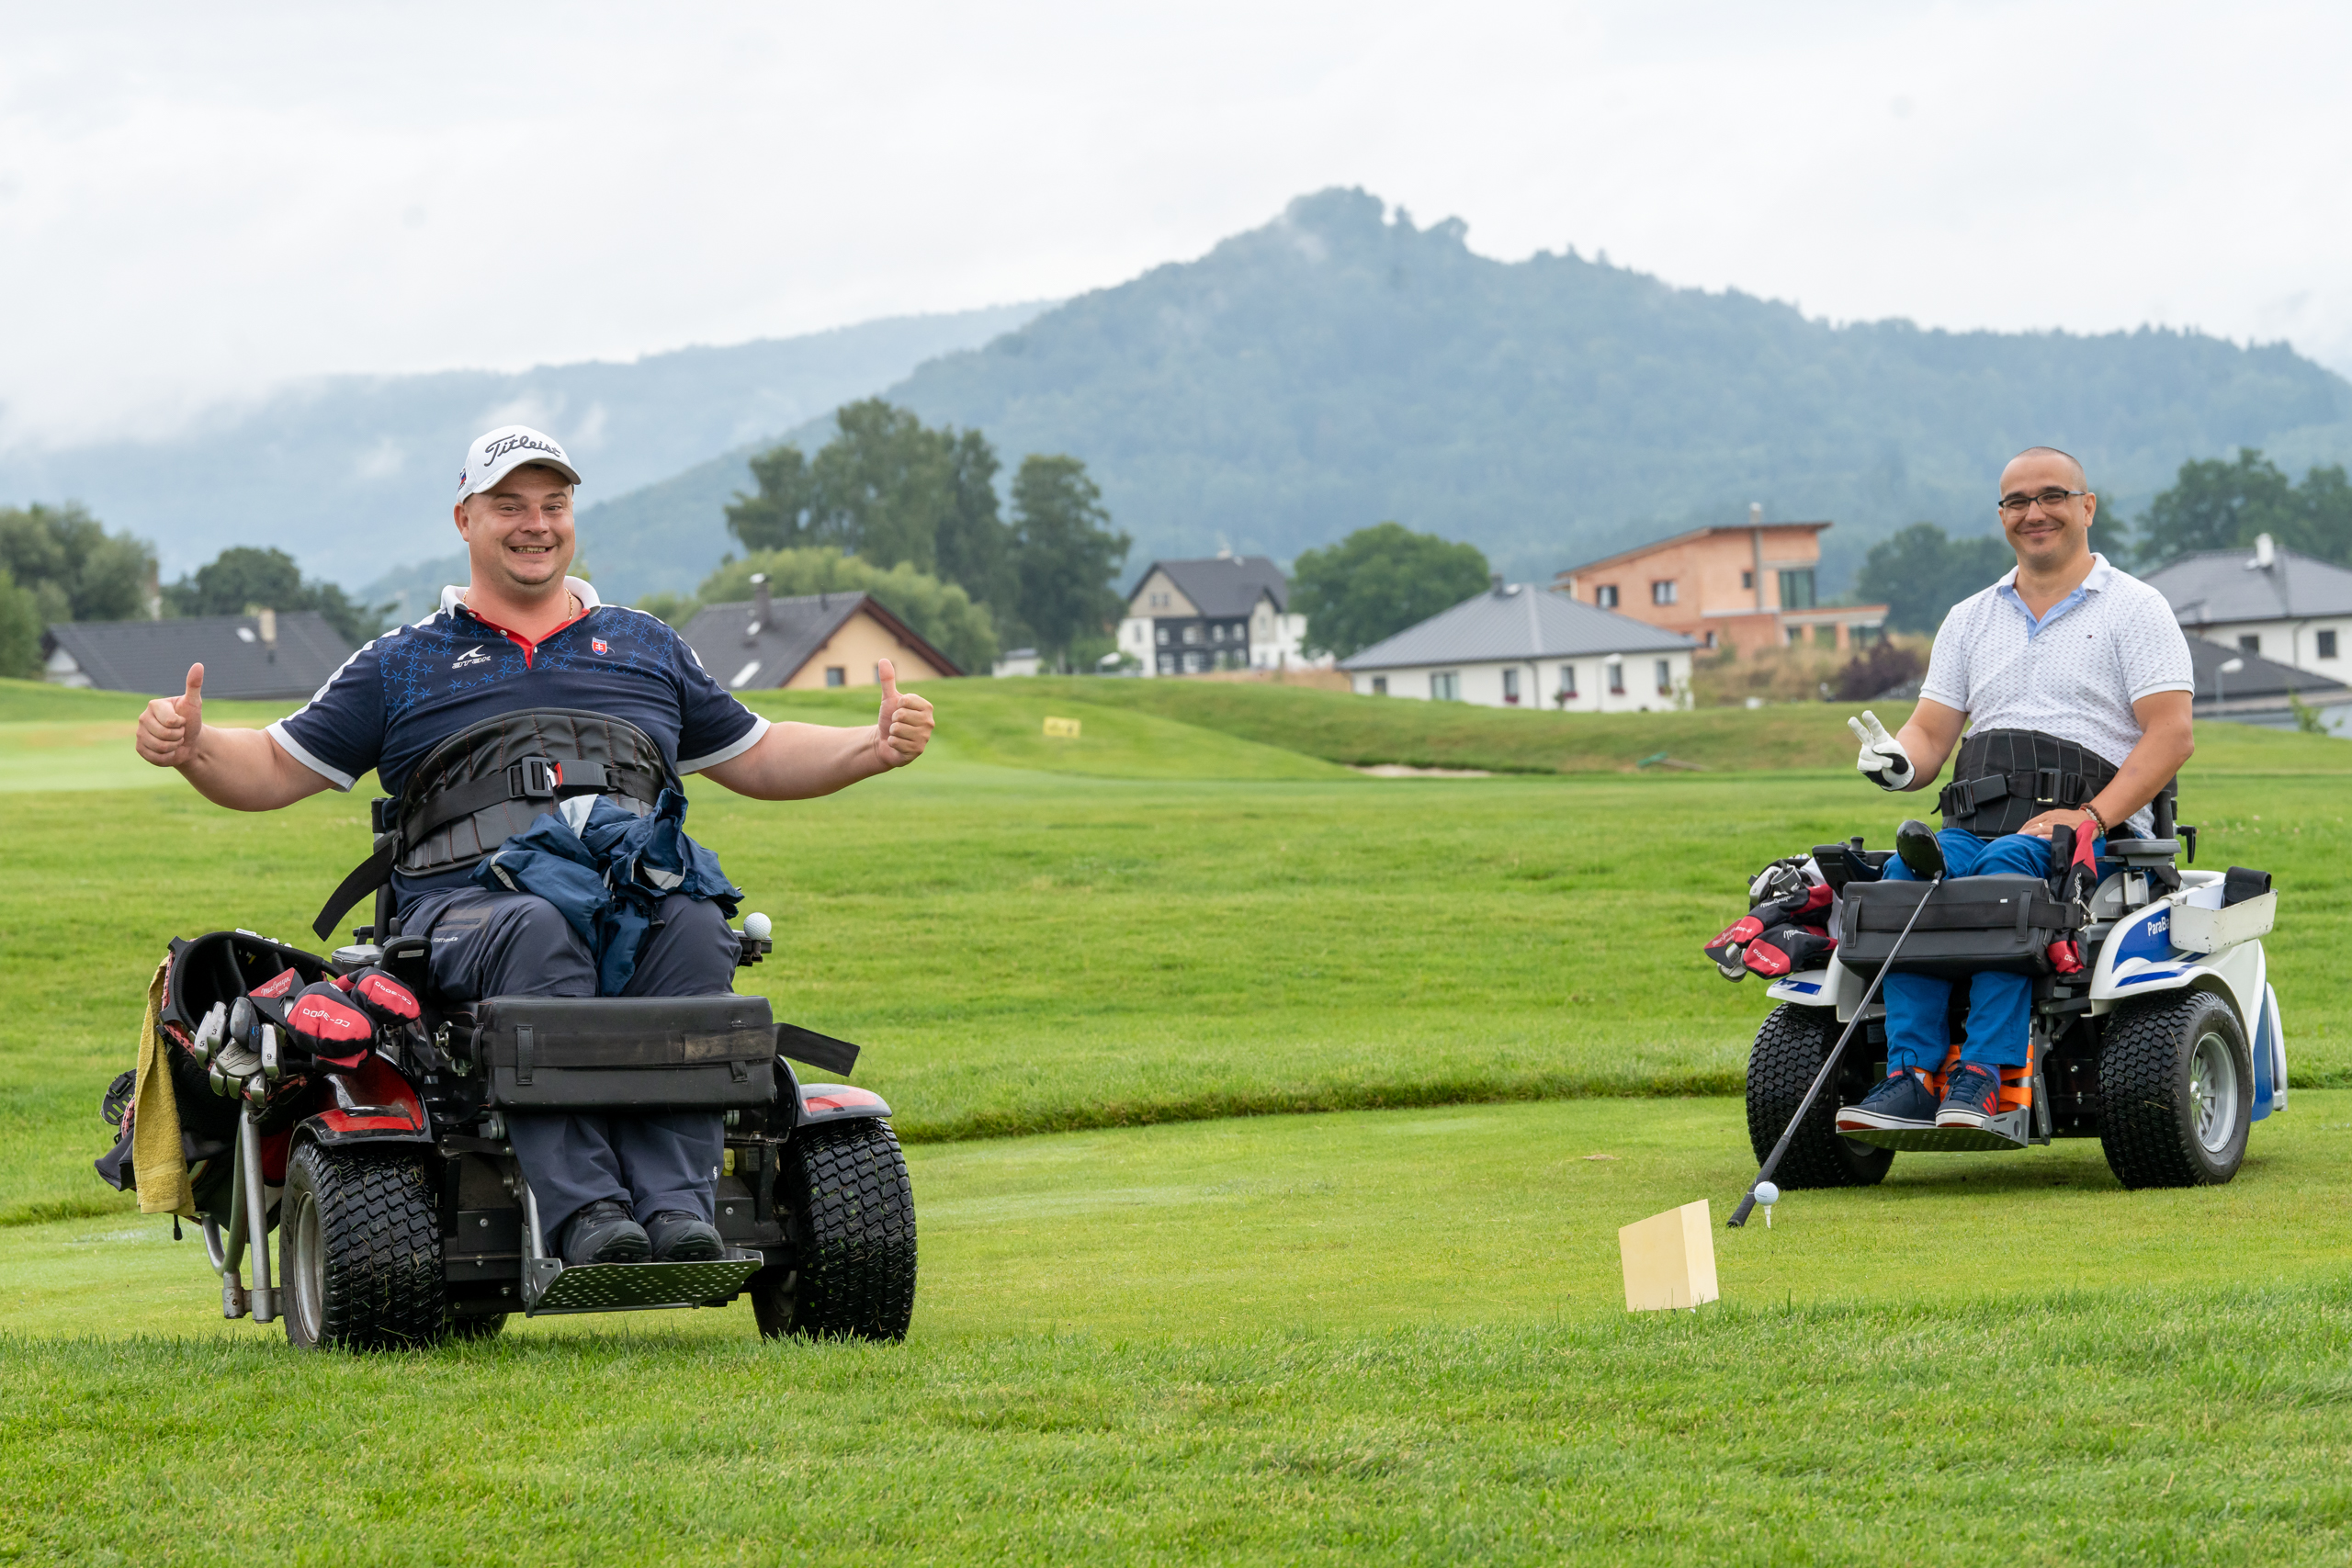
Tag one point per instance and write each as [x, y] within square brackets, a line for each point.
[1972, 1098]
[1903, 1103]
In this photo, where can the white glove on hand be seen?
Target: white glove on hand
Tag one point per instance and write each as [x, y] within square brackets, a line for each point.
[1884, 760]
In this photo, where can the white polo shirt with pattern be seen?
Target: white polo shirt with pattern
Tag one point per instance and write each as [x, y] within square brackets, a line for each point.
[2075, 674]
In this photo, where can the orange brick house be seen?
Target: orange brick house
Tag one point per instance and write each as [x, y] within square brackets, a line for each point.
[1741, 588]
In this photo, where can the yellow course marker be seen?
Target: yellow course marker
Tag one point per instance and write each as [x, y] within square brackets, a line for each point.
[1062, 728]
[1669, 1259]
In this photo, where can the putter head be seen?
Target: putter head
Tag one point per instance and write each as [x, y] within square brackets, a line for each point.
[1915, 842]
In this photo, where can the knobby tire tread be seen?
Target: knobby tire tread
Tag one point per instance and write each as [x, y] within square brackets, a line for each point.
[2144, 1126]
[1789, 1050]
[381, 1234]
[854, 1213]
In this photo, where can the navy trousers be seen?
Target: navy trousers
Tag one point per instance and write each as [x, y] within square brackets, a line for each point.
[516, 944]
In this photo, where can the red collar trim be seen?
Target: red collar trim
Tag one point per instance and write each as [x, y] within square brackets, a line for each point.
[530, 649]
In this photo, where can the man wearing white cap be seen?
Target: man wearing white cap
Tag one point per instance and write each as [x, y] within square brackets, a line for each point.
[524, 645]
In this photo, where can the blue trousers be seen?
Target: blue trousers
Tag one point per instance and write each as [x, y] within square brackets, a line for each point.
[1918, 1006]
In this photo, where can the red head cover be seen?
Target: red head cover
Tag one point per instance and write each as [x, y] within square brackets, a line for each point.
[323, 1019]
[282, 986]
[385, 997]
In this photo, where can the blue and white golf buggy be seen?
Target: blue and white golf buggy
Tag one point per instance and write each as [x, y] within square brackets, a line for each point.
[2153, 1024]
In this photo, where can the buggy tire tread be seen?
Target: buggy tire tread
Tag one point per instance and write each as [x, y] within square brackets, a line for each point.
[2144, 1125]
[853, 1226]
[1788, 1053]
[381, 1239]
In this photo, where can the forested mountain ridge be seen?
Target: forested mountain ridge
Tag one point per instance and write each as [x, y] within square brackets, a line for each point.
[1338, 367]
[353, 475]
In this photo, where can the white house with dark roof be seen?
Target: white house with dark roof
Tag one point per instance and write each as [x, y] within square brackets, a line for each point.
[1187, 617]
[1519, 646]
[2273, 604]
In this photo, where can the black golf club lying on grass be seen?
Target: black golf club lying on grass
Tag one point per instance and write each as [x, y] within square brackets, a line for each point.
[1915, 842]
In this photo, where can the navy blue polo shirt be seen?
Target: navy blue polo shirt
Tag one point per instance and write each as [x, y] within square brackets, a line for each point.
[411, 688]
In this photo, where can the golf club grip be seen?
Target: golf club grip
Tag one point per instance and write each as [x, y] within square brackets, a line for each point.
[1829, 1063]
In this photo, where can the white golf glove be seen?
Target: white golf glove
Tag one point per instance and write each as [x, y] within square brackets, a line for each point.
[1884, 760]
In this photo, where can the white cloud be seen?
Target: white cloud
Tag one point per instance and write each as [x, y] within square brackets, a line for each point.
[198, 203]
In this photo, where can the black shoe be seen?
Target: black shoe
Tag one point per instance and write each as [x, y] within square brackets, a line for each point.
[603, 1233]
[683, 1238]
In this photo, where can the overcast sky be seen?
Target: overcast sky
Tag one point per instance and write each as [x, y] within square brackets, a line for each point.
[199, 201]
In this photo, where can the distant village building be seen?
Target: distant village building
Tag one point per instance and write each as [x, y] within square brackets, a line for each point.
[2273, 604]
[1746, 588]
[1520, 646]
[1187, 617]
[273, 656]
[807, 643]
[1020, 662]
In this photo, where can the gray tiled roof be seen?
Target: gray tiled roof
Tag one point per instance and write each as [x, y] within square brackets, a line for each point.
[1519, 621]
[1225, 587]
[2221, 585]
[795, 630]
[2260, 678]
[152, 657]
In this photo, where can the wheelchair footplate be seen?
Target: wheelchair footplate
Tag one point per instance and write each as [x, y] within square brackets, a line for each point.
[549, 1286]
[2009, 1130]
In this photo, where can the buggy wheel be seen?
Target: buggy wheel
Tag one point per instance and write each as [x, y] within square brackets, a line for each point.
[2176, 1091]
[359, 1252]
[851, 1221]
[1789, 1052]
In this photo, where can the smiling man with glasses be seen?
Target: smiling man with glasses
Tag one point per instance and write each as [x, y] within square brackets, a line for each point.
[2074, 681]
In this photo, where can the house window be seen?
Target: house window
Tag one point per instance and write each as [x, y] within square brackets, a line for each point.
[1664, 679]
[2327, 643]
[1447, 686]
[1192, 635]
[1748, 582]
[1567, 683]
[1193, 664]
[2250, 645]
[1510, 686]
[1711, 639]
[1616, 678]
[1662, 592]
[1796, 590]
[1163, 636]
[1380, 685]
[1168, 664]
[1605, 596]
[836, 675]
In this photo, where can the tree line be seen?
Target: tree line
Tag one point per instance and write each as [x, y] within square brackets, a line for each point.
[911, 514]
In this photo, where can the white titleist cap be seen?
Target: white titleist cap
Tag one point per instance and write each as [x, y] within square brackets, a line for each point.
[500, 452]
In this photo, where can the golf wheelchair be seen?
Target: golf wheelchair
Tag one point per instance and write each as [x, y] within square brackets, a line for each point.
[402, 1217]
[2153, 1026]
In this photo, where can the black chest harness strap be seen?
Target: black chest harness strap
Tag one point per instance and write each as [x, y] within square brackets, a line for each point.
[489, 782]
[2005, 778]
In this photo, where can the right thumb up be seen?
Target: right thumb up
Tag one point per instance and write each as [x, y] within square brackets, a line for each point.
[191, 701]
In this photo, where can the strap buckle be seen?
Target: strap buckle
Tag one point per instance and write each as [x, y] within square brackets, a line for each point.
[535, 778]
[2045, 787]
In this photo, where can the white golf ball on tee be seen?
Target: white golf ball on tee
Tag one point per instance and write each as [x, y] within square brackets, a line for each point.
[1767, 1194]
[757, 925]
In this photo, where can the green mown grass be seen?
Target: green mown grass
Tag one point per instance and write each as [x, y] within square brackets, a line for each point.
[1386, 1336]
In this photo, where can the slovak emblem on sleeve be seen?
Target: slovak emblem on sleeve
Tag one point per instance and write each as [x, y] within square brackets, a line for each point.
[599, 645]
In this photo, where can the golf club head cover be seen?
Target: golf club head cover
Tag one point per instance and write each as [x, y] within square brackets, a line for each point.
[284, 984]
[322, 1020]
[1790, 950]
[2066, 956]
[2074, 865]
[383, 998]
[1728, 950]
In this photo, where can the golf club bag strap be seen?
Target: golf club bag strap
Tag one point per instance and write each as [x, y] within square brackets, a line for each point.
[491, 781]
[2005, 778]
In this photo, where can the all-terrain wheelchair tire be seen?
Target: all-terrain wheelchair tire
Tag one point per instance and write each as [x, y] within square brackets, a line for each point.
[853, 1223]
[2176, 1090]
[1789, 1052]
[359, 1252]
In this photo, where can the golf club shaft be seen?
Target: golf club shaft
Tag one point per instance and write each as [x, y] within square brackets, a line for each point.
[1820, 1080]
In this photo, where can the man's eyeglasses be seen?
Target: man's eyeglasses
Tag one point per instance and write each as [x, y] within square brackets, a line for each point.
[2048, 500]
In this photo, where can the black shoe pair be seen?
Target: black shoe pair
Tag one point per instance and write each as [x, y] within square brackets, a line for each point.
[605, 1231]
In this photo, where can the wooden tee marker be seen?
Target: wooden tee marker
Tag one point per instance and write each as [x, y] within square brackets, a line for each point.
[1669, 1259]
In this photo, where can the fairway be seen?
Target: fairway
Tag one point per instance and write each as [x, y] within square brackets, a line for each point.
[1157, 1322]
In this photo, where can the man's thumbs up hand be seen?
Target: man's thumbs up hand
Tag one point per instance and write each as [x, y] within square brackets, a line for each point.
[169, 729]
[904, 728]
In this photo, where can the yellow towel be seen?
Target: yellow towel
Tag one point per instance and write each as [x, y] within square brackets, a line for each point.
[156, 1153]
